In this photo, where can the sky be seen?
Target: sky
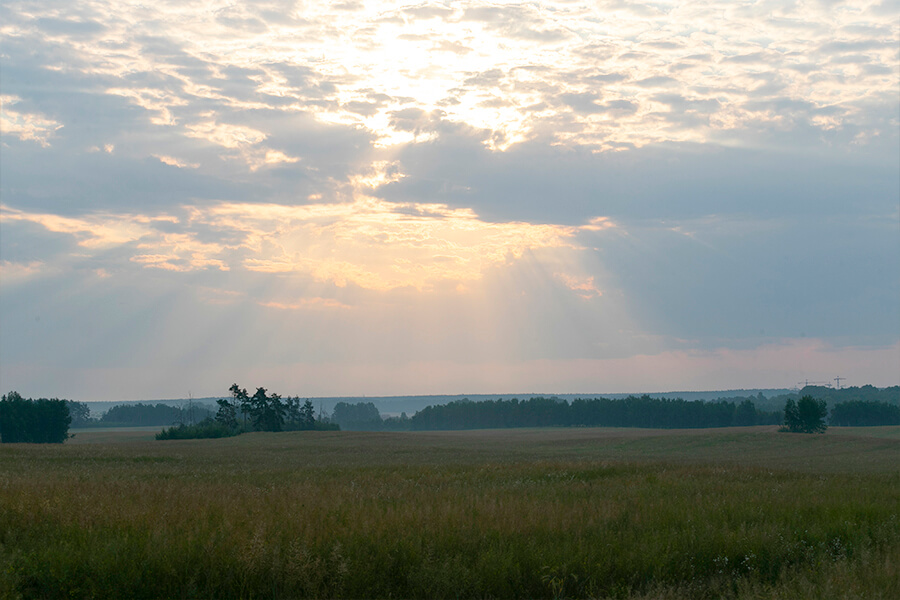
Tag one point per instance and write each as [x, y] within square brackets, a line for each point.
[402, 198]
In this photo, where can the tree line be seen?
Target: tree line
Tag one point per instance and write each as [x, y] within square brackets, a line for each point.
[805, 414]
[139, 415]
[541, 411]
[633, 411]
[865, 413]
[48, 420]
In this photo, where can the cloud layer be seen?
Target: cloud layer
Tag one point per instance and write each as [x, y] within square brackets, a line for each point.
[353, 183]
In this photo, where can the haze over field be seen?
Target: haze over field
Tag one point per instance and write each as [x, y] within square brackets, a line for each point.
[379, 198]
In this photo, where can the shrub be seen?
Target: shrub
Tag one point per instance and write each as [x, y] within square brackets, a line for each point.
[207, 428]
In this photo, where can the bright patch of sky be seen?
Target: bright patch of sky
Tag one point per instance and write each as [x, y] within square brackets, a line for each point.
[446, 197]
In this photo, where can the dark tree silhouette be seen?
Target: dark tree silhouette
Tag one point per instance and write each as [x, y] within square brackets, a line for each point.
[807, 415]
[241, 400]
[362, 416]
[40, 421]
[862, 413]
[80, 413]
[745, 413]
[267, 411]
[308, 415]
[633, 411]
[227, 413]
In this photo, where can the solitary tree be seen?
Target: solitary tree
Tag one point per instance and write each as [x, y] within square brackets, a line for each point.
[805, 416]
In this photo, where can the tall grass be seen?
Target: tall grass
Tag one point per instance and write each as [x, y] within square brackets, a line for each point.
[592, 513]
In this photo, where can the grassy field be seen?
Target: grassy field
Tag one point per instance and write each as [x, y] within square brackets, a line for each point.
[622, 513]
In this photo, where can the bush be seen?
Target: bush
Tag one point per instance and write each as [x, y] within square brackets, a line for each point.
[207, 428]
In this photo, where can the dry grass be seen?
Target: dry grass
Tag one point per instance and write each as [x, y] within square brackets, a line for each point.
[742, 513]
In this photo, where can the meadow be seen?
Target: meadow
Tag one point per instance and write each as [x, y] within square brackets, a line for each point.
[520, 513]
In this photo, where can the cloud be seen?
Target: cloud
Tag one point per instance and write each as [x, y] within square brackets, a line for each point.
[519, 22]
[175, 162]
[537, 183]
[70, 27]
[14, 272]
[369, 243]
[225, 135]
[307, 304]
[25, 125]
[93, 232]
[780, 277]
[585, 287]
[165, 71]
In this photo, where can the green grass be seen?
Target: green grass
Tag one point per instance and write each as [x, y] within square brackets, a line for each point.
[731, 513]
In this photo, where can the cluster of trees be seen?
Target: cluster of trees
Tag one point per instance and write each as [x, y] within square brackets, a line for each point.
[267, 412]
[260, 411]
[41, 421]
[807, 415]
